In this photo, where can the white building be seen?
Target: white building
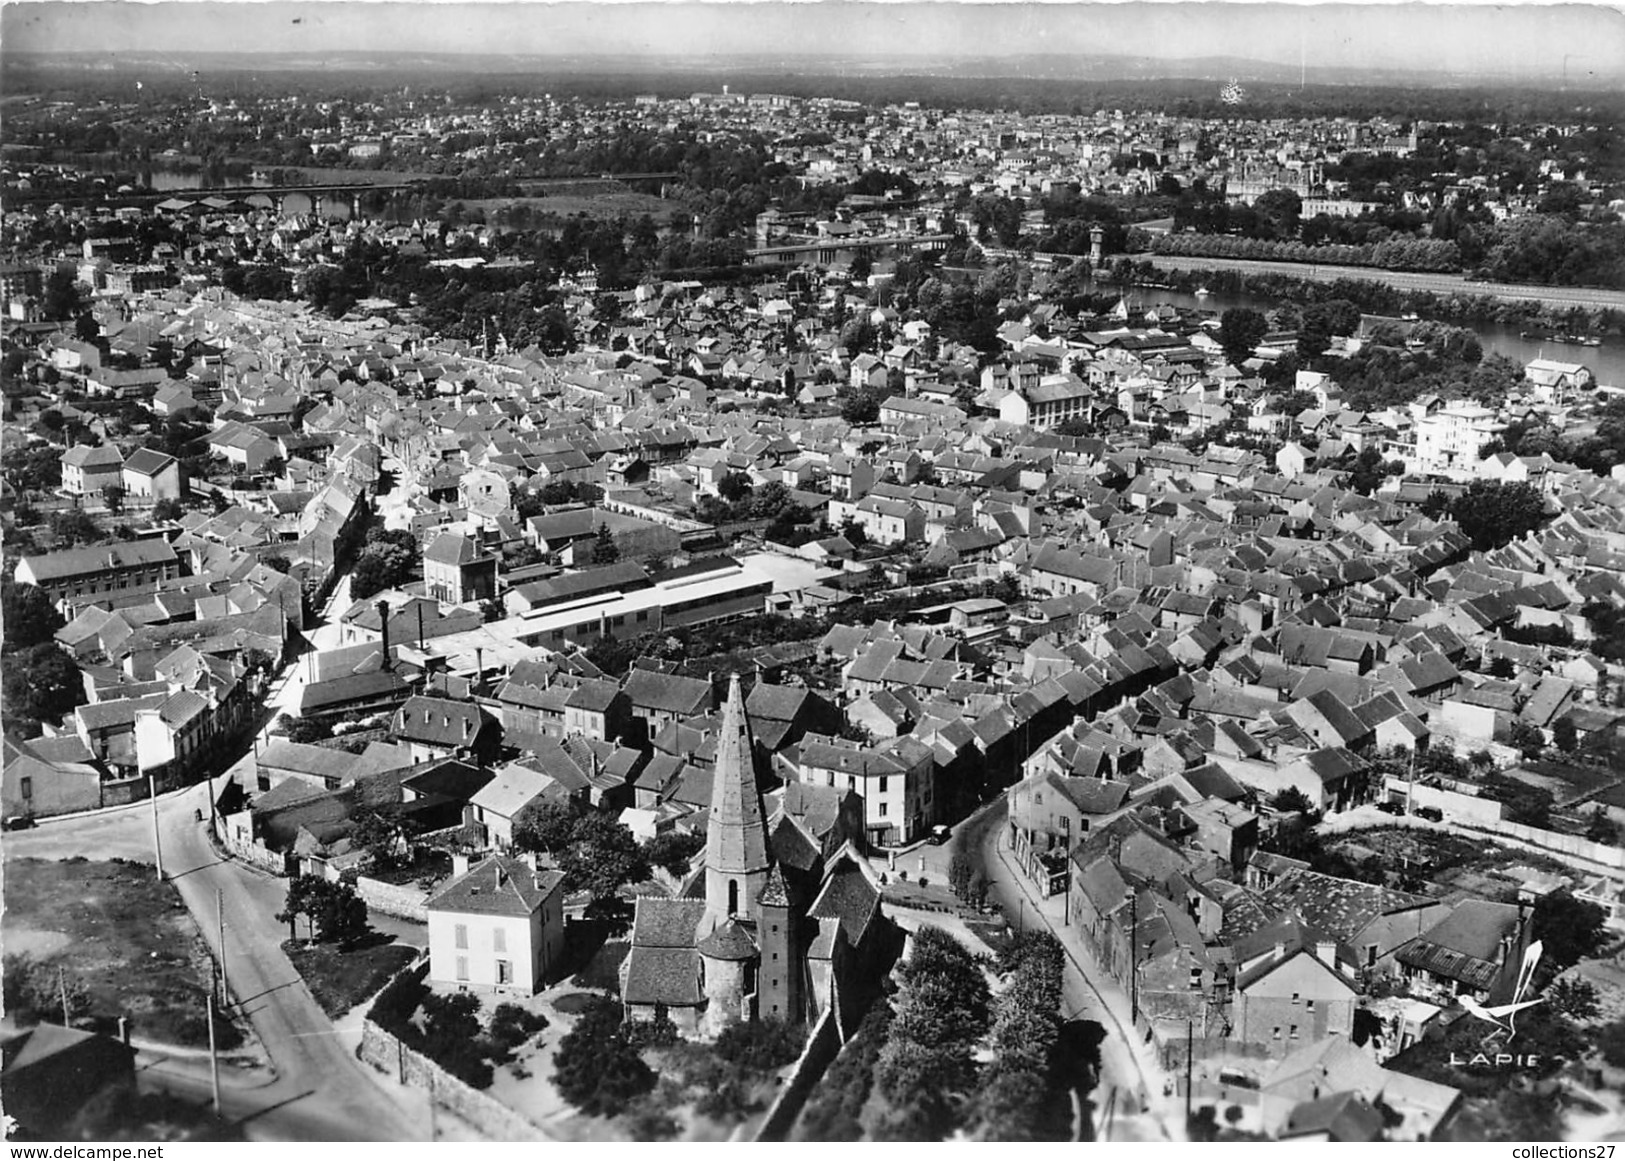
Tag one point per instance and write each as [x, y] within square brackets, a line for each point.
[1451, 440]
[498, 927]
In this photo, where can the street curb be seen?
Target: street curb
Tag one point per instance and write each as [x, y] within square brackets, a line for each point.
[1128, 1039]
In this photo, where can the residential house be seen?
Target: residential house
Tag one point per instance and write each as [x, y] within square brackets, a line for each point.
[497, 927]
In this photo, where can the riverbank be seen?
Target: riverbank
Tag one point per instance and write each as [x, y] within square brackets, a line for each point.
[1377, 291]
[1446, 297]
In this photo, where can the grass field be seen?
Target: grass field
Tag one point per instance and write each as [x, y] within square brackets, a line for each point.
[123, 940]
[623, 203]
[341, 978]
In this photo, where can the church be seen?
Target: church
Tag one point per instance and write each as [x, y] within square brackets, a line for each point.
[774, 925]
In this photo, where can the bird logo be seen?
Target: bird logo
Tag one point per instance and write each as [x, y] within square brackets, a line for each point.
[1505, 1016]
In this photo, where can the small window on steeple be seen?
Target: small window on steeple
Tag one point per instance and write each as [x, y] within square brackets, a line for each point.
[733, 896]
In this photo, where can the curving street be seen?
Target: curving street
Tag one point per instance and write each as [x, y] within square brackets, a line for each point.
[1131, 1083]
[320, 1090]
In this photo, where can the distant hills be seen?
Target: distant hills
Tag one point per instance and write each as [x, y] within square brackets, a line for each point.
[1042, 67]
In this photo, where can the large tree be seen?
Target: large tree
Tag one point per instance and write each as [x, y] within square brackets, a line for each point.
[41, 684]
[926, 1071]
[546, 826]
[28, 615]
[1240, 329]
[596, 1067]
[380, 566]
[602, 856]
[1569, 930]
[1492, 514]
[334, 910]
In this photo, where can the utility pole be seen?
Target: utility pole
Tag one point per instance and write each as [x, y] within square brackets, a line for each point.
[62, 991]
[220, 915]
[1134, 958]
[214, 1055]
[434, 1121]
[1190, 1054]
[157, 845]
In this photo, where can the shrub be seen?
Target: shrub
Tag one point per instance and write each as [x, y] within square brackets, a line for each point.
[673, 850]
[512, 1025]
[761, 1046]
[648, 1121]
[596, 1067]
[832, 1111]
[393, 1007]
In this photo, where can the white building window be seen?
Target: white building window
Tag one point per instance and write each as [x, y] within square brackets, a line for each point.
[460, 937]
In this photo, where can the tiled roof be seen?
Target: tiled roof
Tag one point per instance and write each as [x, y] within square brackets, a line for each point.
[1339, 907]
[662, 975]
[848, 896]
[666, 923]
[498, 886]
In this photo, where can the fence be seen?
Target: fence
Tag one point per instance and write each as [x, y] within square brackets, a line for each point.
[388, 1054]
[1608, 859]
[822, 1047]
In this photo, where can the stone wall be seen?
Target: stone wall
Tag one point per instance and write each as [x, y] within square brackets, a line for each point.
[822, 1047]
[403, 902]
[1609, 860]
[1464, 807]
[496, 1120]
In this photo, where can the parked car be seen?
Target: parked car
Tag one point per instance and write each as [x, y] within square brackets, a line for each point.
[1391, 807]
[939, 835]
[1431, 813]
[20, 822]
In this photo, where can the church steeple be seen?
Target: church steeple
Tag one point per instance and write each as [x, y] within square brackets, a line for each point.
[736, 859]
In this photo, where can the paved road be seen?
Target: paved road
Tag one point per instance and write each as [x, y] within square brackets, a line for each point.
[1402, 280]
[1127, 1068]
[320, 1091]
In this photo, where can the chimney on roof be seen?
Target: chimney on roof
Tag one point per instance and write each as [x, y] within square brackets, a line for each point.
[1280, 950]
[1326, 952]
[459, 864]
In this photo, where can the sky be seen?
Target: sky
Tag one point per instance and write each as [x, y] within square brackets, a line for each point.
[1533, 41]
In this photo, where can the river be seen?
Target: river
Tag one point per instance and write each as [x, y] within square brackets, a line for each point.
[177, 179]
[1607, 362]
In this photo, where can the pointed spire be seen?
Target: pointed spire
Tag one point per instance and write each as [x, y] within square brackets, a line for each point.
[736, 834]
[777, 892]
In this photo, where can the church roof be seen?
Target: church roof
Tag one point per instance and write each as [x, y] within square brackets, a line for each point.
[850, 897]
[792, 847]
[730, 941]
[666, 922]
[774, 893]
[736, 833]
[662, 975]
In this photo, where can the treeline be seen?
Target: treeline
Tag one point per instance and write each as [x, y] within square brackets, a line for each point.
[928, 1083]
[1392, 254]
[1032, 92]
[1374, 297]
[1554, 250]
[1599, 451]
